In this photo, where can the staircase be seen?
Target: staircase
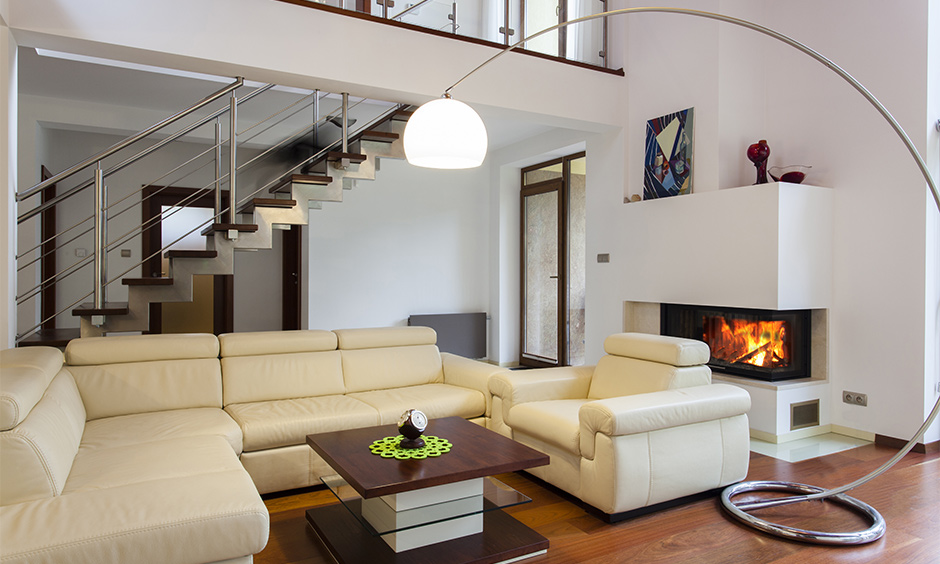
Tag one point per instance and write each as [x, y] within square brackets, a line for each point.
[288, 200]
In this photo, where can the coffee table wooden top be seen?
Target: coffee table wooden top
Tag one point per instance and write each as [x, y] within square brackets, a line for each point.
[476, 452]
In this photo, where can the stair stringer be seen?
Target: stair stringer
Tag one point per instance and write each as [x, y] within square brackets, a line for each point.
[182, 269]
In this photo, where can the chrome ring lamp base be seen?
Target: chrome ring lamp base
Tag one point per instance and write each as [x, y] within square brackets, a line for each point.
[872, 533]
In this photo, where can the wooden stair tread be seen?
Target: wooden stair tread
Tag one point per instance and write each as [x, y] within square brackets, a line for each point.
[402, 115]
[191, 254]
[240, 227]
[110, 308]
[147, 281]
[285, 183]
[381, 136]
[333, 156]
[266, 203]
[51, 337]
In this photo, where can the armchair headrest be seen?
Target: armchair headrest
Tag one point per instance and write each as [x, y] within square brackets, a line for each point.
[658, 348]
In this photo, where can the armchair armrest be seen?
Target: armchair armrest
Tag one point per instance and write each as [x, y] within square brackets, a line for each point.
[541, 384]
[643, 413]
[472, 374]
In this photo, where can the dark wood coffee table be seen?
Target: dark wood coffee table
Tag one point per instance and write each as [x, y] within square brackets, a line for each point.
[476, 454]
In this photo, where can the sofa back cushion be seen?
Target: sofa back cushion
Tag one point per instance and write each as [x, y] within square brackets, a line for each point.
[389, 357]
[381, 337]
[146, 373]
[38, 451]
[275, 365]
[391, 367]
[616, 376]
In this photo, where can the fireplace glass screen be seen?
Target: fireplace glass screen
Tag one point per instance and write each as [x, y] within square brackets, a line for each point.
[762, 344]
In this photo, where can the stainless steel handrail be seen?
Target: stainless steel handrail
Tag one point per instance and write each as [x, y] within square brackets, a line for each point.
[126, 142]
[130, 160]
[409, 9]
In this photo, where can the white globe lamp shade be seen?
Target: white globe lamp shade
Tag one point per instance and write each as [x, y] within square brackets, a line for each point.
[445, 133]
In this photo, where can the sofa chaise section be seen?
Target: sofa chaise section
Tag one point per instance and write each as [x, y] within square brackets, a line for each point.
[125, 489]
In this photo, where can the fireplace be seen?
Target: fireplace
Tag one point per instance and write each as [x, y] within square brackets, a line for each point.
[754, 343]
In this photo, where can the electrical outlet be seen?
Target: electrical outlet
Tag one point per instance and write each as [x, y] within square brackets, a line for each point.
[855, 398]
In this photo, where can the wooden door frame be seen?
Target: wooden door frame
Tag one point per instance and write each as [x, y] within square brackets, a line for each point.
[153, 200]
[47, 251]
[291, 278]
[563, 211]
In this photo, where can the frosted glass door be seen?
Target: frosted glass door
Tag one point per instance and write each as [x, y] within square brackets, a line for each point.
[540, 269]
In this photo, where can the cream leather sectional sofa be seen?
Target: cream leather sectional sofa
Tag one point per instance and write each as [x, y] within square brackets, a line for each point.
[155, 448]
[643, 428]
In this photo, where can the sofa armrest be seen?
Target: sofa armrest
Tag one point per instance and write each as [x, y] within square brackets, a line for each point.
[540, 384]
[643, 413]
[469, 373]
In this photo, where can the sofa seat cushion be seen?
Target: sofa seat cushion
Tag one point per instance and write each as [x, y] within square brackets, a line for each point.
[100, 468]
[435, 400]
[203, 517]
[272, 424]
[555, 422]
[157, 426]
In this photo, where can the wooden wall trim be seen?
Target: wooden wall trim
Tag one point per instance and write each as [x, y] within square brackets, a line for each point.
[922, 448]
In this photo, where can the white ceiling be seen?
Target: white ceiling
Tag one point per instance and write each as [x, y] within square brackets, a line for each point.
[170, 91]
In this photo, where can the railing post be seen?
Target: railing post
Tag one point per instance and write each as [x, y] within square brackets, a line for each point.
[218, 167]
[603, 53]
[316, 120]
[345, 122]
[453, 18]
[101, 240]
[233, 162]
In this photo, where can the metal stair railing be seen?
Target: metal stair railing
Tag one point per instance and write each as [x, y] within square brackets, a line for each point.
[102, 246]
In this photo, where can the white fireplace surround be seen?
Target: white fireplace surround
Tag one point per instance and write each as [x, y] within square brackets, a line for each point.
[766, 247]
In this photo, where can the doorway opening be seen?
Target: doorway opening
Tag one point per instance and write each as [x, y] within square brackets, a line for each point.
[553, 262]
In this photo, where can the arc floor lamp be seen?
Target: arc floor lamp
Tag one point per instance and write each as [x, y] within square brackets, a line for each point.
[446, 133]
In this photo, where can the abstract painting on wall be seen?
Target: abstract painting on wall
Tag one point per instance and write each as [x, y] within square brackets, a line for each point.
[667, 169]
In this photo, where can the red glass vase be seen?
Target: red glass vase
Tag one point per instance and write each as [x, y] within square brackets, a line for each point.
[758, 154]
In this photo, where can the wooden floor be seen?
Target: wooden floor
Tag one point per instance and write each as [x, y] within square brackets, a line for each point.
[908, 497]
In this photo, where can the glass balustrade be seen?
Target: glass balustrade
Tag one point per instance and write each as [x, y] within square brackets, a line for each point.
[486, 19]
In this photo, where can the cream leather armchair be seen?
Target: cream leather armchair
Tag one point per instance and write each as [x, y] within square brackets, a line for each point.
[642, 428]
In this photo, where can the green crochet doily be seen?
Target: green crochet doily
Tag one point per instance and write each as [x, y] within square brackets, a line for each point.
[388, 448]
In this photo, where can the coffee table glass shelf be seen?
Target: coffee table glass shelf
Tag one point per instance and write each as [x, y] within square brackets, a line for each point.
[446, 509]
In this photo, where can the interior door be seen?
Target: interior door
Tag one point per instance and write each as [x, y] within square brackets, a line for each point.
[542, 265]
[553, 263]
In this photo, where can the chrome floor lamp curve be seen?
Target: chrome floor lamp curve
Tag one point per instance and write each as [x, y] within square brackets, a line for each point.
[806, 492]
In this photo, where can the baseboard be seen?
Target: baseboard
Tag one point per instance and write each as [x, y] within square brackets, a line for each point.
[791, 436]
[854, 433]
[812, 432]
[921, 448]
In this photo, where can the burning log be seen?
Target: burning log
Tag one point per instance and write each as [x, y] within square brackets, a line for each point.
[765, 348]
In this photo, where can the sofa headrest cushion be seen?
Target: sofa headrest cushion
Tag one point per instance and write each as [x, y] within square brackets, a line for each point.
[25, 374]
[140, 348]
[658, 348]
[276, 342]
[351, 339]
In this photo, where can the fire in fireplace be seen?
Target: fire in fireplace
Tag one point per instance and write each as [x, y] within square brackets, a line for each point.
[762, 344]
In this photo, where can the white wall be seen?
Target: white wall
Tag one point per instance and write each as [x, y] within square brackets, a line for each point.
[412, 241]
[8, 150]
[745, 87]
